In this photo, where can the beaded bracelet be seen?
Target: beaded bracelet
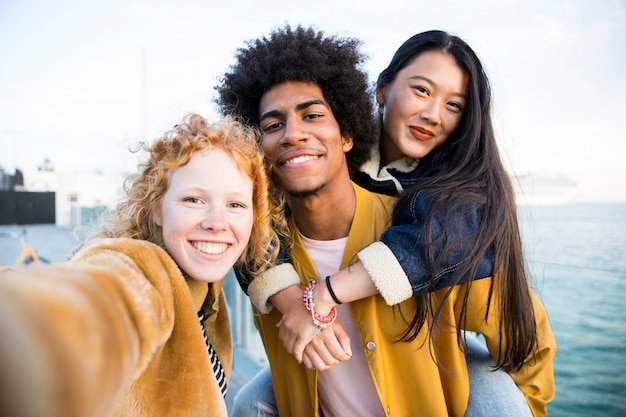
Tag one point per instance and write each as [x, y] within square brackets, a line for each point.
[320, 321]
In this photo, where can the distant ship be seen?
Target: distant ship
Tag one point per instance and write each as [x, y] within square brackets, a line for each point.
[545, 189]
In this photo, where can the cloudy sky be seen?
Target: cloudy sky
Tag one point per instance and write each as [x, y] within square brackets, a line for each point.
[82, 81]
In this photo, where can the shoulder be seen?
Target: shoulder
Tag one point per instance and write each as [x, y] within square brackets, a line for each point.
[132, 247]
[439, 208]
[377, 202]
[373, 211]
[139, 253]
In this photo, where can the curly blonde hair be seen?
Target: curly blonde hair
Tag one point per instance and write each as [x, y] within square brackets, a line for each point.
[135, 215]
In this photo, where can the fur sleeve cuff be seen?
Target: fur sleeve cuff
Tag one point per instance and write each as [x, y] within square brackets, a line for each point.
[269, 283]
[386, 273]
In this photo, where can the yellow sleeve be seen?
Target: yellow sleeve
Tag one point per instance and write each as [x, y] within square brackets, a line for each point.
[75, 336]
[536, 378]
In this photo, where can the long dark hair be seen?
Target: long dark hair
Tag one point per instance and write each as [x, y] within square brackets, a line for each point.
[467, 170]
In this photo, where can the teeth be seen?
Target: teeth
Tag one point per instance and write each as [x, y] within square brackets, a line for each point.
[210, 247]
[300, 159]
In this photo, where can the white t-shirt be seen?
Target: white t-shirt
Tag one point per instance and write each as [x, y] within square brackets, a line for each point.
[346, 389]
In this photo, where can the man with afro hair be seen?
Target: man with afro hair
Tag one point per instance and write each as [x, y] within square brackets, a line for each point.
[309, 97]
[303, 54]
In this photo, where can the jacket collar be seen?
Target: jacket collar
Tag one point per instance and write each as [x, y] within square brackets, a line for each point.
[357, 236]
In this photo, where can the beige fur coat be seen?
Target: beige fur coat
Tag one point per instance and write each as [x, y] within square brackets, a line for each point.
[112, 333]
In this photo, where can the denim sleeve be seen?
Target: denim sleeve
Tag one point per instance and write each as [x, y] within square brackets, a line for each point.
[409, 246]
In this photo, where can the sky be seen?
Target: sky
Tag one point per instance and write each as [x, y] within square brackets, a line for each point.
[82, 82]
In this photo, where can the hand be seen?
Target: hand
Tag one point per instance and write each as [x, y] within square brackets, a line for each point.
[297, 333]
[331, 349]
[296, 329]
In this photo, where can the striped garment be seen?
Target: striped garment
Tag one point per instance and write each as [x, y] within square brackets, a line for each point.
[218, 370]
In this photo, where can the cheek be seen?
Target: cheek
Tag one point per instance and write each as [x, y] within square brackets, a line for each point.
[247, 227]
[452, 124]
[268, 144]
[166, 230]
[393, 123]
[172, 227]
[396, 112]
[243, 228]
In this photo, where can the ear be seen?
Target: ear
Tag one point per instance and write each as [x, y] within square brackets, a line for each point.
[346, 143]
[380, 94]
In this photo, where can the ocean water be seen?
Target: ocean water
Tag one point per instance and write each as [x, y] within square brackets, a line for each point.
[577, 258]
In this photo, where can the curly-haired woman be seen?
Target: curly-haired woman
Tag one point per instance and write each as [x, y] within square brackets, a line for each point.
[135, 324]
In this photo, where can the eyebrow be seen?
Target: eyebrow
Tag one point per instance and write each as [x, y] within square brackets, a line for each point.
[299, 107]
[421, 77]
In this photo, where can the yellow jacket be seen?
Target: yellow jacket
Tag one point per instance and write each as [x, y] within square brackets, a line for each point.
[115, 332]
[408, 381]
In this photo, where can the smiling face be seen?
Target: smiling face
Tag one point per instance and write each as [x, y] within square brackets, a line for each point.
[301, 138]
[207, 214]
[423, 106]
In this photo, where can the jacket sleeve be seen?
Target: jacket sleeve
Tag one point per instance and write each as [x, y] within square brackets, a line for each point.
[400, 260]
[536, 378]
[75, 336]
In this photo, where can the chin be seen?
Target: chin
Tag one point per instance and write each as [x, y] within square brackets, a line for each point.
[305, 192]
[199, 273]
[208, 278]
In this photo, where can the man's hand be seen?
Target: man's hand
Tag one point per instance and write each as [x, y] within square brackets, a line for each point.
[331, 349]
[300, 336]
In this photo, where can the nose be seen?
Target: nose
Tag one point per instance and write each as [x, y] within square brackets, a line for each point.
[293, 131]
[214, 219]
[432, 112]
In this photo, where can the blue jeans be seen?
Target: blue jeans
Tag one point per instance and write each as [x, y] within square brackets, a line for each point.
[491, 393]
[256, 398]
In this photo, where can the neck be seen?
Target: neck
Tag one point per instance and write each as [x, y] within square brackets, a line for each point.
[327, 214]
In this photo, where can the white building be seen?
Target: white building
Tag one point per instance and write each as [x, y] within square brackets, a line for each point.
[79, 196]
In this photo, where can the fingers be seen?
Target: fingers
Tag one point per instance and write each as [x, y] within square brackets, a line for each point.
[296, 330]
[316, 356]
[295, 339]
[299, 337]
[331, 349]
[343, 339]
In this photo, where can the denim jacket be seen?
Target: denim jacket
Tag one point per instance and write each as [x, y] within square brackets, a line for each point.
[398, 263]
[406, 242]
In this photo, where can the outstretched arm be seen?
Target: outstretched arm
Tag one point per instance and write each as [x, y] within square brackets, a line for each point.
[74, 337]
[61, 330]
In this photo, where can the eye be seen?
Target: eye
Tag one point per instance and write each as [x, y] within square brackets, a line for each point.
[271, 127]
[311, 116]
[455, 106]
[237, 205]
[191, 200]
[422, 90]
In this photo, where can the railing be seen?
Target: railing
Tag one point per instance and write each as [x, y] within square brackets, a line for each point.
[249, 354]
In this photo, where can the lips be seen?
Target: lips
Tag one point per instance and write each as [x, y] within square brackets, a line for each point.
[421, 134]
[211, 248]
[298, 157]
